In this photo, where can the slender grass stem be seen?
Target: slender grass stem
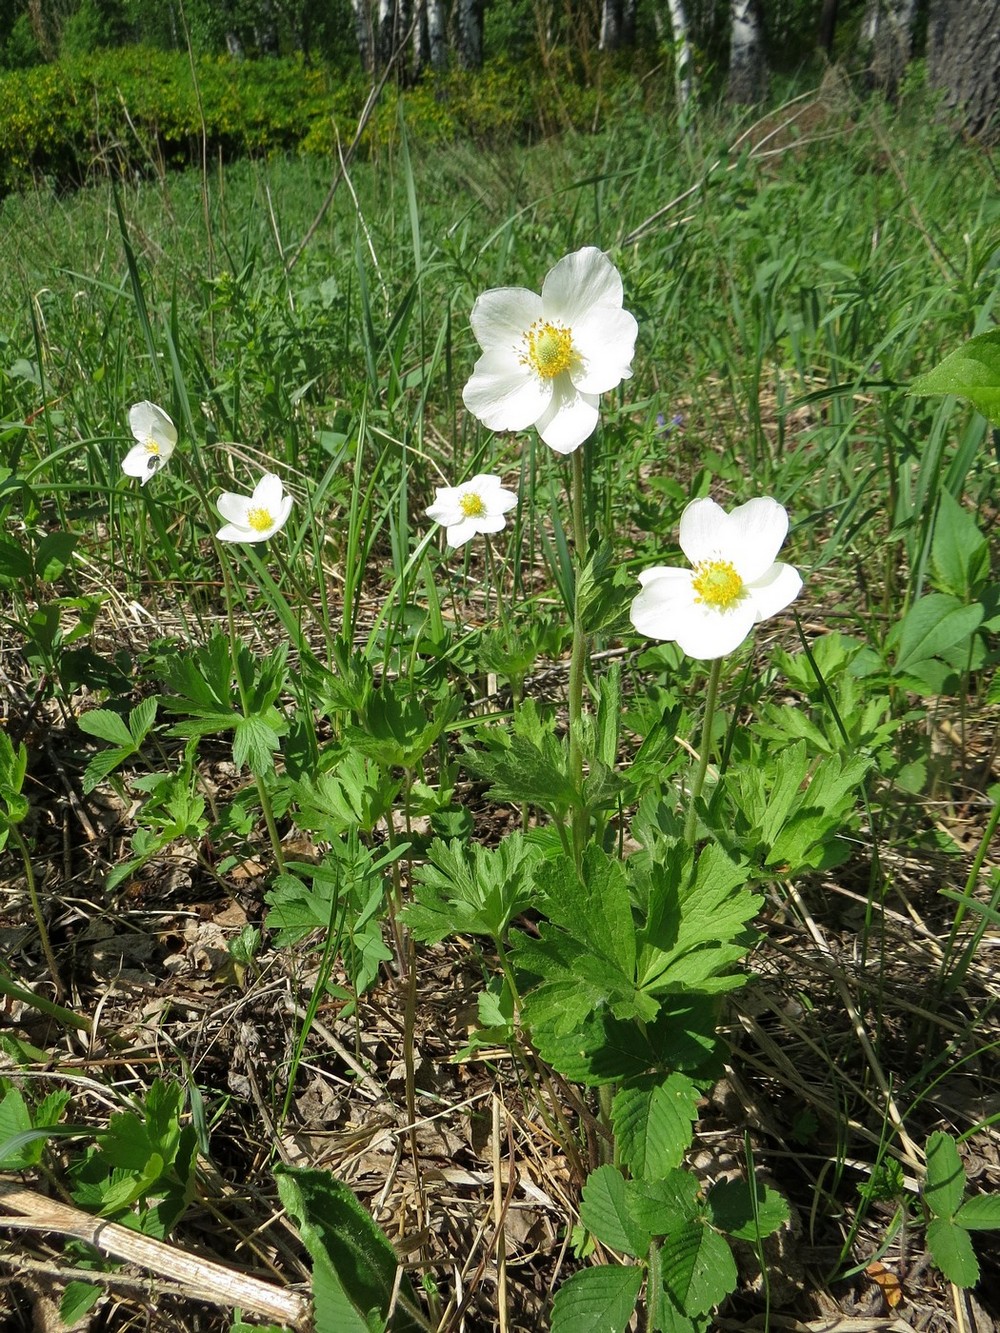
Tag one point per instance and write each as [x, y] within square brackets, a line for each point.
[36, 908]
[711, 696]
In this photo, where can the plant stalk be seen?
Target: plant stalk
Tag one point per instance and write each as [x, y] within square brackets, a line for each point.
[711, 696]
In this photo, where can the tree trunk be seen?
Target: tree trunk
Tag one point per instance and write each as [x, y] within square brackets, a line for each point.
[611, 34]
[747, 68]
[828, 26]
[628, 23]
[470, 34]
[887, 39]
[363, 34]
[437, 37]
[963, 60]
[385, 37]
[683, 55]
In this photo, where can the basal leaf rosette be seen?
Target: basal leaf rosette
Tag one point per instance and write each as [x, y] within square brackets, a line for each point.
[734, 584]
[474, 507]
[547, 358]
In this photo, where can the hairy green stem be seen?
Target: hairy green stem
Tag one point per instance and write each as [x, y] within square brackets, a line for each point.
[65, 1016]
[711, 696]
[578, 662]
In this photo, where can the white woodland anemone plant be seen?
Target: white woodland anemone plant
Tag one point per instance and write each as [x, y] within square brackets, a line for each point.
[256, 517]
[735, 582]
[156, 439]
[474, 507]
[547, 358]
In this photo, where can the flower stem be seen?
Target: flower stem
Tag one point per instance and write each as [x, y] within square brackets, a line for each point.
[578, 661]
[711, 695]
[36, 908]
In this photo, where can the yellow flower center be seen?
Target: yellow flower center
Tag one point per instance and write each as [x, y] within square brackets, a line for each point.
[717, 584]
[471, 505]
[550, 349]
[152, 447]
[259, 519]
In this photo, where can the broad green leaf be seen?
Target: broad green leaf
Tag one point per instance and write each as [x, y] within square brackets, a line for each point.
[15, 562]
[355, 1267]
[932, 625]
[698, 1268]
[960, 554]
[604, 1210]
[102, 764]
[951, 1249]
[140, 719]
[255, 743]
[471, 890]
[594, 908]
[77, 1299]
[15, 1120]
[596, 1300]
[972, 371]
[653, 1125]
[733, 1209]
[667, 1205]
[53, 553]
[980, 1214]
[944, 1187]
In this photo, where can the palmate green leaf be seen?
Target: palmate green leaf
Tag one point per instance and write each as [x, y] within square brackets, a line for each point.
[698, 1267]
[471, 890]
[944, 1187]
[932, 625]
[256, 740]
[733, 1209]
[951, 1249]
[972, 371]
[960, 554]
[605, 1211]
[981, 1213]
[593, 907]
[355, 1268]
[696, 925]
[596, 1300]
[652, 1124]
[524, 771]
[106, 725]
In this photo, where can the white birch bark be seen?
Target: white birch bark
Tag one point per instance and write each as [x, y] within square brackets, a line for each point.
[437, 37]
[887, 40]
[470, 34]
[683, 55]
[610, 38]
[363, 34]
[747, 73]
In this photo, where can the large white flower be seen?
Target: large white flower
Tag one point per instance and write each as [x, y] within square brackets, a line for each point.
[476, 506]
[735, 583]
[156, 435]
[256, 517]
[547, 358]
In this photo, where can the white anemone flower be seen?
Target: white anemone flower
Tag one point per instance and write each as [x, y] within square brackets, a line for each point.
[475, 506]
[735, 583]
[256, 517]
[546, 359]
[156, 437]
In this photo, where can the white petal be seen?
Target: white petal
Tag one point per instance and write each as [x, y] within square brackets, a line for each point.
[442, 512]
[583, 279]
[284, 509]
[149, 422]
[777, 589]
[569, 419]
[232, 533]
[703, 532]
[136, 462]
[459, 533]
[233, 508]
[491, 523]
[605, 341]
[502, 502]
[505, 395]
[757, 528]
[501, 317]
[706, 634]
[666, 597]
[268, 492]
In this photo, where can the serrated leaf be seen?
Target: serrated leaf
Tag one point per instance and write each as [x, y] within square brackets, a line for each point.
[951, 1249]
[733, 1209]
[653, 1125]
[140, 719]
[596, 1300]
[932, 625]
[106, 726]
[255, 743]
[980, 1214]
[944, 1187]
[698, 1268]
[604, 1210]
[15, 1120]
[960, 554]
[102, 764]
[666, 1205]
[972, 371]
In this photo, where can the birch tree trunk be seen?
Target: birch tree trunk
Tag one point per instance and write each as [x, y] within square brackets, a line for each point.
[963, 60]
[470, 34]
[385, 36]
[437, 37]
[363, 34]
[683, 55]
[747, 67]
[610, 38]
[887, 39]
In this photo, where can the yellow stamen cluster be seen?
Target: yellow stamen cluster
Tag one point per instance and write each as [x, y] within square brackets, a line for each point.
[471, 505]
[550, 349]
[152, 447]
[259, 519]
[717, 584]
